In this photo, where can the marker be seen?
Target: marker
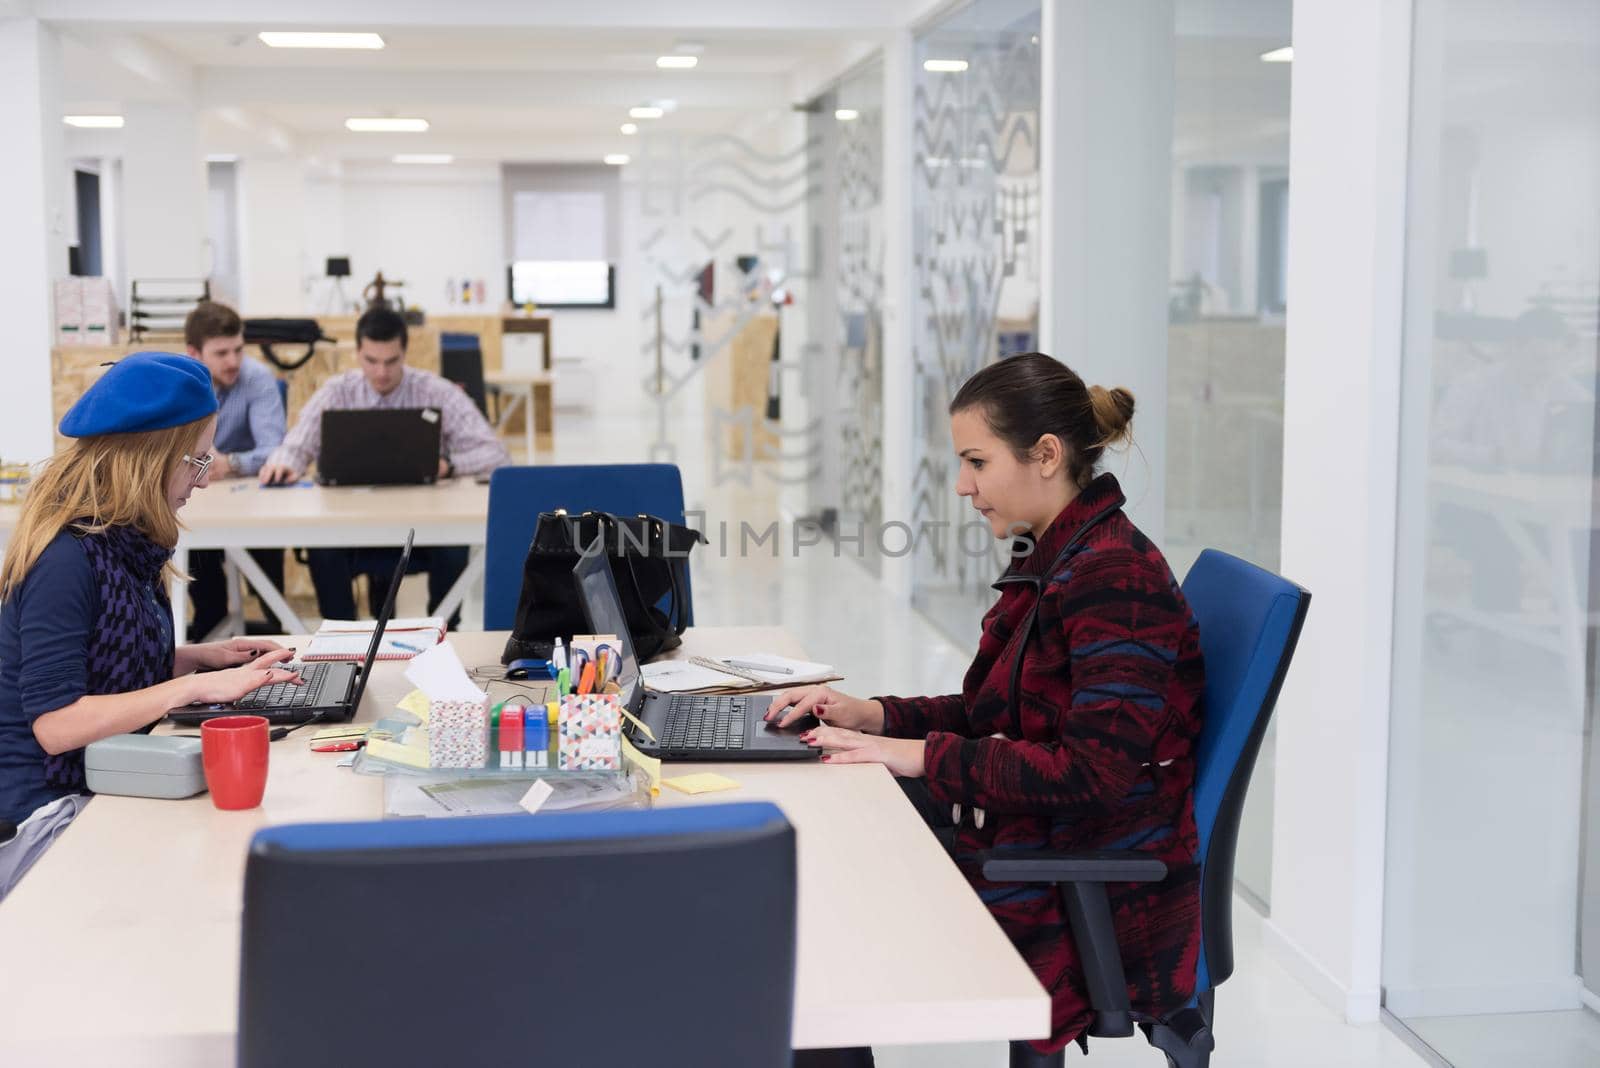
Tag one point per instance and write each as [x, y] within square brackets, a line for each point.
[564, 682]
[559, 656]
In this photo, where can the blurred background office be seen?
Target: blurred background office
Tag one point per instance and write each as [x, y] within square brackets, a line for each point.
[1345, 254]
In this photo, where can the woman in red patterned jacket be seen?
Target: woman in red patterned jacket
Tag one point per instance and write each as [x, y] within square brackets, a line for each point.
[1077, 722]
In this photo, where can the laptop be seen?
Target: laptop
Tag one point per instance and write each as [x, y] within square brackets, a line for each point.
[331, 690]
[379, 446]
[686, 726]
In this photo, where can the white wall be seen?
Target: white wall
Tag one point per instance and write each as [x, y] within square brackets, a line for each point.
[1107, 160]
[164, 193]
[272, 258]
[32, 229]
[1341, 413]
[423, 230]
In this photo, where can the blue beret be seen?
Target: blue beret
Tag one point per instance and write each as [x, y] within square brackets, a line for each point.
[145, 391]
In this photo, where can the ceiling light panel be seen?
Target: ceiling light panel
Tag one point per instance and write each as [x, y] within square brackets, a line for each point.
[285, 39]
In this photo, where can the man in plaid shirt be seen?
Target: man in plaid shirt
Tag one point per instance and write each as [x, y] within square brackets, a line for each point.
[468, 446]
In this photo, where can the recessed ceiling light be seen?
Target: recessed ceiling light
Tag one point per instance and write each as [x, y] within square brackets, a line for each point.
[424, 157]
[944, 66]
[677, 62]
[847, 114]
[647, 112]
[617, 159]
[94, 122]
[630, 128]
[276, 39]
[381, 125]
[1279, 55]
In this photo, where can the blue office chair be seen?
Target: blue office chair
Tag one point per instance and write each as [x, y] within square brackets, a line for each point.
[518, 494]
[1250, 621]
[283, 394]
[663, 936]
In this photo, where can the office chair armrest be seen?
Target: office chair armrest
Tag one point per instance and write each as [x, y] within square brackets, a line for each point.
[1102, 866]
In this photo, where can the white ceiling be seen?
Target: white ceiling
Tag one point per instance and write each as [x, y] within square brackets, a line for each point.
[524, 92]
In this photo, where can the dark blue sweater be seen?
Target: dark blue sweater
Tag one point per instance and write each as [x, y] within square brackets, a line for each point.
[45, 629]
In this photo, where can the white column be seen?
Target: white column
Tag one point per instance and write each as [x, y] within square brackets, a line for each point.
[272, 254]
[32, 230]
[899, 302]
[1106, 160]
[1347, 172]
[163, 193]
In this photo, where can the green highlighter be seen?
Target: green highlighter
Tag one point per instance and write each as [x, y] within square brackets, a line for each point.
[564, 681]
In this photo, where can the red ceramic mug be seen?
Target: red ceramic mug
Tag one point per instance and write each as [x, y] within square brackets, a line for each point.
[234, 752]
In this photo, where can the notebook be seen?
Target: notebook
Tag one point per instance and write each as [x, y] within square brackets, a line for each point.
[698, 676]
[347, 639]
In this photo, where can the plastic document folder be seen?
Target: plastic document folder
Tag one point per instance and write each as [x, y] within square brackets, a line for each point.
[347, 639]
[775, 672]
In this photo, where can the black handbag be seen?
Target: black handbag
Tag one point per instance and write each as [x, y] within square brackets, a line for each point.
[649, 560]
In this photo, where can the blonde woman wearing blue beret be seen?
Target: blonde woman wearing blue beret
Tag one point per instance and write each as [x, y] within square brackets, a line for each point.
[86, 635]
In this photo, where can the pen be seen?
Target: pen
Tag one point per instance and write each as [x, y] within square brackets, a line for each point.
[765, 669]
[403, 645]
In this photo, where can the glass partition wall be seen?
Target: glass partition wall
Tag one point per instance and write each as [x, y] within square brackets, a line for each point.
[1492, 903]
[975, 202]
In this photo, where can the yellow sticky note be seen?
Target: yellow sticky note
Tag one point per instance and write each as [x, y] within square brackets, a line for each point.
[703, 783]
[412, 756]
[651, 766]
[415, 702]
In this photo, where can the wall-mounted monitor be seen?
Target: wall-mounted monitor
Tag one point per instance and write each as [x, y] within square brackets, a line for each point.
[563, 283]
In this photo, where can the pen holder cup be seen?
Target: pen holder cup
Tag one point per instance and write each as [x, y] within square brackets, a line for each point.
[458, 734]
[591, 733]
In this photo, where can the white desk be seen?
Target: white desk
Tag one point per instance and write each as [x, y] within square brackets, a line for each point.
[532, 393]
[122, 945]
[235, 515]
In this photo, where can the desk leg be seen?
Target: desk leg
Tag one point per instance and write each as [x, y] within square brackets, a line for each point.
[458, 593]
[178, 593]
[527, 427]
[266, 590]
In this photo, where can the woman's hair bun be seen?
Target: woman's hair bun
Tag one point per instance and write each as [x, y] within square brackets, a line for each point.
[1113, 413]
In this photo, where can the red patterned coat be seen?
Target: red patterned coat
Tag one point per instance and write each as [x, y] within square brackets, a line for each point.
[1098, 753]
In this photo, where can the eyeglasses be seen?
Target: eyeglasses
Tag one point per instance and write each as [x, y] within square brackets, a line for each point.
[202, 464]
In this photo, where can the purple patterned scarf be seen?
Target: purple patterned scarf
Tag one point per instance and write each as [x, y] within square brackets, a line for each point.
[130, 647]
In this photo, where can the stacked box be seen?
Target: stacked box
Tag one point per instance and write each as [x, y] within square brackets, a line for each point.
[69, 311]
[458, 734]
[86, 311]
[591, 733]
[97, 324]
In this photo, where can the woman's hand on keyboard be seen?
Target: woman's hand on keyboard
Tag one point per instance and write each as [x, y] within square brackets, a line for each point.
[223, 687]
[829, 706]
[213, 656]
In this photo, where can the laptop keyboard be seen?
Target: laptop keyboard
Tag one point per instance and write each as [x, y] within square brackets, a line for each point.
[287, 694]
[704, 721]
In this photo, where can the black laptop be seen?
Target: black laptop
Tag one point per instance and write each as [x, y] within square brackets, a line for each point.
[686, 726]
[331, 690]
[379, 446]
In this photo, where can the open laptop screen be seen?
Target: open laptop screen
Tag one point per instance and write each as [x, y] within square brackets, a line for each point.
[603, 608]
[365, 670]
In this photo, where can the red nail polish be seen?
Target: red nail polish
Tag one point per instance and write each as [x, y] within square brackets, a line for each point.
[825, 758]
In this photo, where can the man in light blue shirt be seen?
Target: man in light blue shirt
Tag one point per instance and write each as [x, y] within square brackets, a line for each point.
[250, 425]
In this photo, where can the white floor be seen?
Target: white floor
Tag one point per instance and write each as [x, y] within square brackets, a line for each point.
[1527, 1039]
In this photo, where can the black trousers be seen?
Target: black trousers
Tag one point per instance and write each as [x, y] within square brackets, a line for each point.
[209, 590]
[333, 570]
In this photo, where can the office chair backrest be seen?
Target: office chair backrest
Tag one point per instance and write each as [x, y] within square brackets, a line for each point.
[518, 494]
[663, 936]
[461, 362]
[1250, 620]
